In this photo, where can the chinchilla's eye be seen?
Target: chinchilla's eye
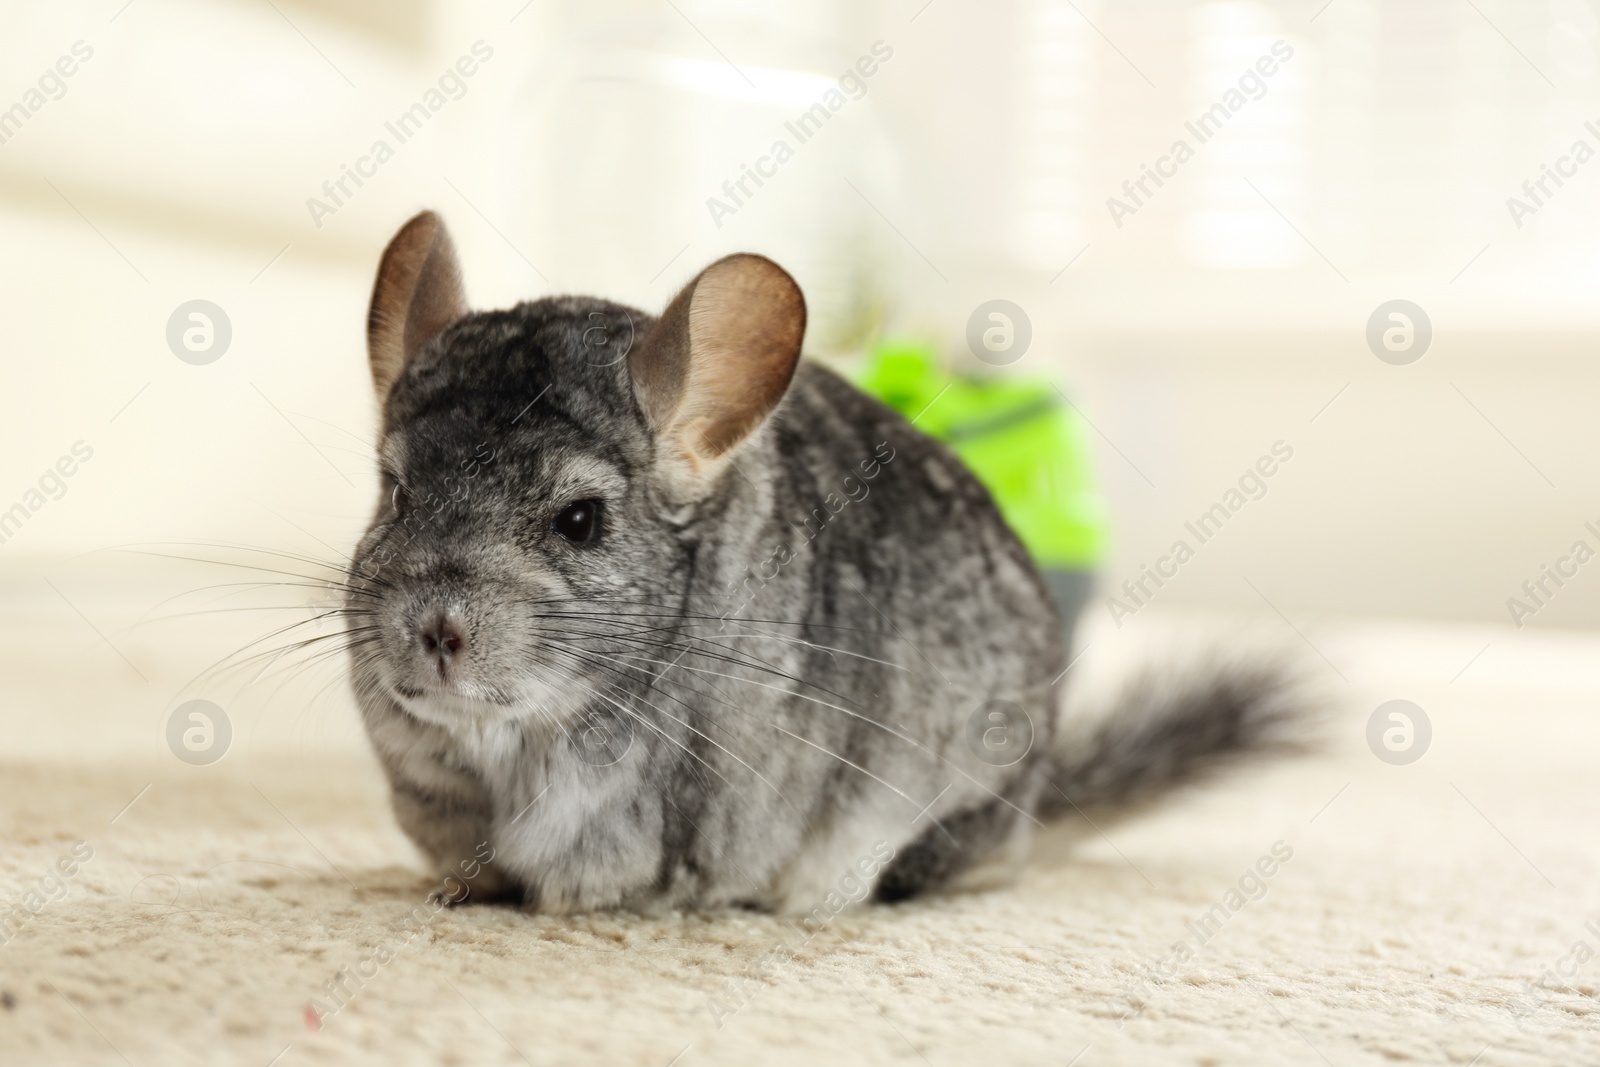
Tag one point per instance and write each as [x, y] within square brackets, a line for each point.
[576, 522]
[399, 499]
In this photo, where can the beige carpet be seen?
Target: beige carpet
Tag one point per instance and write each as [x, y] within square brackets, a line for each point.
[220, 902]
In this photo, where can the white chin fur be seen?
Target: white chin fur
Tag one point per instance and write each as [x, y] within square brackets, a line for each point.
[462, 712]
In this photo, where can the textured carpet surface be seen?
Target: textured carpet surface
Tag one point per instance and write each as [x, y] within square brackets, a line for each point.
[1406, 912]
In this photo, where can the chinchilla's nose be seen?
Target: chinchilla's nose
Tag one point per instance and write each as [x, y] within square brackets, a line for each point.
[443, 638]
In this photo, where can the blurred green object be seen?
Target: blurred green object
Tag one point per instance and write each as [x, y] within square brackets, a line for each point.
[1020, 436]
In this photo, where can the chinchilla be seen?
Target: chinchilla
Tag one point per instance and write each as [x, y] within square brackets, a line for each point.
[662, 616]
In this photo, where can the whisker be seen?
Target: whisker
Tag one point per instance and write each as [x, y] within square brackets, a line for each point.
[239, 587]
[811, 644]
[740, 661]
[700, 617]
[329, 582]
[302, 529]
[611, 667]
[688, 751]
[346, 613]
[864, 718]
[265, 637]
[296, 646]
[822, 748]
[338, 566]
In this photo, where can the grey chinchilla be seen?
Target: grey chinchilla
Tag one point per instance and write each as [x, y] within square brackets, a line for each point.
[661, 616]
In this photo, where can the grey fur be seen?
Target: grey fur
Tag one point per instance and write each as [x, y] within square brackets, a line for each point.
[796, 655]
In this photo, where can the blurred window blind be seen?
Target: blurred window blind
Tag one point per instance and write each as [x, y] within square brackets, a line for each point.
[1059, 53]
[1260, 153]
[1392, 139]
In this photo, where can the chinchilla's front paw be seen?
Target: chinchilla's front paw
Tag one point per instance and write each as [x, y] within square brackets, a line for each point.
[489, 887]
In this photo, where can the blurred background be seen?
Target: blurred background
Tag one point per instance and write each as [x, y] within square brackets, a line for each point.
[257, 154]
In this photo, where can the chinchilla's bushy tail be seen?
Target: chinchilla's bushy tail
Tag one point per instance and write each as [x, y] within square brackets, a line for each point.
[1166, 731]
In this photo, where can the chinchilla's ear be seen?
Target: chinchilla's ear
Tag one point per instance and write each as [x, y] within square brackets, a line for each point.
[716, 364]
[417, 294]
